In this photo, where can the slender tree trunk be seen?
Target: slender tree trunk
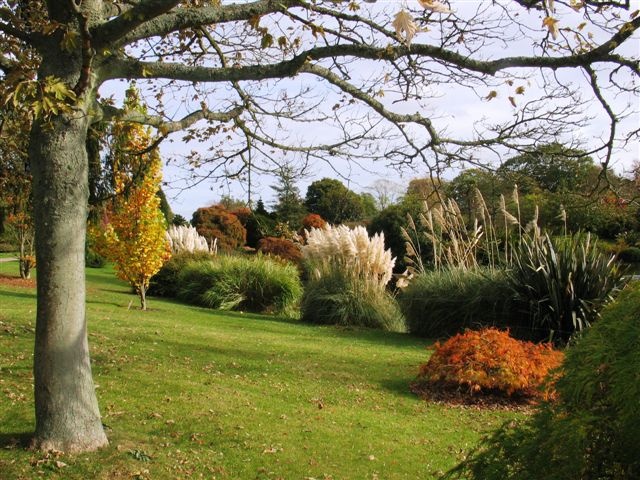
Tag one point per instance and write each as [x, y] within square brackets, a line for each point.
[21, 256]
[67, 414]
[142, 291]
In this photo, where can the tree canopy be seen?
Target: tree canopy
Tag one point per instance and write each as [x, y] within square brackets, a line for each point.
[333, 201]
[322, 80]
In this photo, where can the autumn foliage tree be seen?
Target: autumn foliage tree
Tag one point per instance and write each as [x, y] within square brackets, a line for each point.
[16, 206]
[133, 232]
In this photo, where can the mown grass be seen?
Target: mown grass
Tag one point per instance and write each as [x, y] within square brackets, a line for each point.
[187, 392]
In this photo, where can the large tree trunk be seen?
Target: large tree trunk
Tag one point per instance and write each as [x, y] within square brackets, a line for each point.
[67, 414]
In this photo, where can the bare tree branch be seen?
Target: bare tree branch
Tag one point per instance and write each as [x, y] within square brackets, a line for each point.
[130, 68]
[120, 31]
[146, 10]
[168, 126]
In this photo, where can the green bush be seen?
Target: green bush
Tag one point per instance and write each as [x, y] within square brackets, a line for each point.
[592, 431]
[165, 282]
[629, 255]
[442, 303]
[562, 284]
[256, 283]
[336, 299]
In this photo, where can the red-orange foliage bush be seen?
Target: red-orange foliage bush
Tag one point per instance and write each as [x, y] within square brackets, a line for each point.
[243, 214]
[313, 220]
[490, 361]
[280, 247]
[217, 222]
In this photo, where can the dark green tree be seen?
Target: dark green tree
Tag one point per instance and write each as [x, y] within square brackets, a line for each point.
[165, 207]
[552, 168]
[179, 221]
[463, 190]
[333, 201]
[289, 206]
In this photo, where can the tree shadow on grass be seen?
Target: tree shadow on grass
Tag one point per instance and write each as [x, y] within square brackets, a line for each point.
[30, 295]
[14, 440]
[360, 334]
[399, 385]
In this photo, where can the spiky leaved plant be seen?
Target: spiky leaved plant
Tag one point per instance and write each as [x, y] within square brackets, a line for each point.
[562, 284]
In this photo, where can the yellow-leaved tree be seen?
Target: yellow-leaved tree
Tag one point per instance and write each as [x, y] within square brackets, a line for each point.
[132, 233]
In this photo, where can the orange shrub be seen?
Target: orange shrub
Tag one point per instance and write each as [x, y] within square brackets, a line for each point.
[280, 247]
[490, 361]
[216, 222]
[313, 220]
[243, 214]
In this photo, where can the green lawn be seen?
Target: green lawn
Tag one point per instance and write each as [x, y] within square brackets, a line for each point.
[187, 392]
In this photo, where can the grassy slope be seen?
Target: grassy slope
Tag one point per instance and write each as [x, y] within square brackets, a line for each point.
[217, 395]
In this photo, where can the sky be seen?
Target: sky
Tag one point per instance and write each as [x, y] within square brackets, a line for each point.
[455, 109]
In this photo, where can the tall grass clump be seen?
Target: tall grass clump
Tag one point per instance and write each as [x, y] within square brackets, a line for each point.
[442, 303]
[555, 286]
[256, 283]
[592, 430]
[454, 244]
[562, 284]
[165, 282]
[347, 273]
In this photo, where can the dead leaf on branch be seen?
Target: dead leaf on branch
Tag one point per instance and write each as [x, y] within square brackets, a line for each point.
[552, 25]
[434, 6]
[405, 27]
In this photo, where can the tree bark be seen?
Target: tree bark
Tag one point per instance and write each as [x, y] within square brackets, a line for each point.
[142, 292]
[67, 414]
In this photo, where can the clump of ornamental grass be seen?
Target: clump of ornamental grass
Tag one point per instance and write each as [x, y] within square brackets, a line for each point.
[165, 282]
[487, 242]
[256, 283]
[442, 303]
[185, 238]
[350, 251]
[347, 274]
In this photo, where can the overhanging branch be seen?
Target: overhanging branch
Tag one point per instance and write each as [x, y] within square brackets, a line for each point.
[165, 126]
[120, 32]
[129, 68]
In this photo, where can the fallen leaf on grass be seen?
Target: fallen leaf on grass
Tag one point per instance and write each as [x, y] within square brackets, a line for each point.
[272, 449]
